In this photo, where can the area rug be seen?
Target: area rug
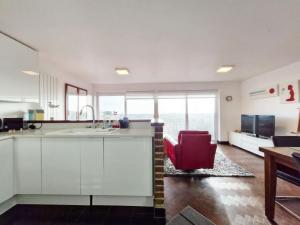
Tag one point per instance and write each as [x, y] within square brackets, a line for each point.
[223, 167]
[189, 216]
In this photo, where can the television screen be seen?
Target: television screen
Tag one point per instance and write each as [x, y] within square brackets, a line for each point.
[248, 124]
[265, 126]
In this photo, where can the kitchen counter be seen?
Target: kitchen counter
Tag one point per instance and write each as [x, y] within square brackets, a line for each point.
[67, 166]
[79, 132]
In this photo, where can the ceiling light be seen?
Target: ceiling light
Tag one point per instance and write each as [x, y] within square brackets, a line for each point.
[224, 69]
[31, 73]
[122, 71]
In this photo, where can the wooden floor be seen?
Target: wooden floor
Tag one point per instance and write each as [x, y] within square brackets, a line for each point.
[79, 215]
[237, 201]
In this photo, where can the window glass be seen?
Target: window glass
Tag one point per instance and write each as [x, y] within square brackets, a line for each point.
[172, 112]
[139, 108]
[76, 98]
[72, 103]
[201, 114]
[113, 104]
[178, 110]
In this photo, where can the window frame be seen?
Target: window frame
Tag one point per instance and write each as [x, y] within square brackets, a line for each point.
[66, 99]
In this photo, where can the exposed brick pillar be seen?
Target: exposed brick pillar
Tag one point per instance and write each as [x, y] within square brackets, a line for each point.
[158, 169]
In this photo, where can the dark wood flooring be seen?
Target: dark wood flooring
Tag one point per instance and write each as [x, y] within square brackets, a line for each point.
[79, 215]
[226, 200]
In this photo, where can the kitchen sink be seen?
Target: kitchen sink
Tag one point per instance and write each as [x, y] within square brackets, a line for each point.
[83, 131]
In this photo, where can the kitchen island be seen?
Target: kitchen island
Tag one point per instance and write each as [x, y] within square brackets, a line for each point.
[77, 166]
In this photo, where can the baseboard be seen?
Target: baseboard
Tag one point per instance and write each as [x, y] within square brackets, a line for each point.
[123, 200]
[8, 204]
[76, 200]
[53, 199]
[223, 142]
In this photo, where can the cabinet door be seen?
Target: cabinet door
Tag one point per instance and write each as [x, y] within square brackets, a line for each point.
[92, 166]
[61, 166]
[28, 166]
[128, 166]
[6, 170]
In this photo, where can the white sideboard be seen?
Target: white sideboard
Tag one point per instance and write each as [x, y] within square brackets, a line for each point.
[249, 143]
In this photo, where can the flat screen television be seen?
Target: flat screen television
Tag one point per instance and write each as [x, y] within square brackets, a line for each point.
[265, 125]
[248, 124]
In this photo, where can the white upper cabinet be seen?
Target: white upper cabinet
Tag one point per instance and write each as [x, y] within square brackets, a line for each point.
[15, 85]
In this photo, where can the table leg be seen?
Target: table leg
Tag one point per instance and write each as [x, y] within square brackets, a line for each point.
[270, 186]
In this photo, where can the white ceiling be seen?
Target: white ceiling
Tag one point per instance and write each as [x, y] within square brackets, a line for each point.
[158, 40]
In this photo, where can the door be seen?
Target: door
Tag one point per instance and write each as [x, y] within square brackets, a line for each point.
[128, 166]
[28, 164]
[6, 170]
[61, 166]
[92, 166]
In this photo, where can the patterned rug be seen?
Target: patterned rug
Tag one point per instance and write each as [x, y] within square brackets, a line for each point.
[223, 167]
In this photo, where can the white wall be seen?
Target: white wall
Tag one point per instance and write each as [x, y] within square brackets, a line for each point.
[229, 117]
[286, 114]
[49, 68]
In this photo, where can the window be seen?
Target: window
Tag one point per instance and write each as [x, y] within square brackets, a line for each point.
[201, 113]
[140, 106]
[75, 99]
[171, 110]
[185, 111]
[114, 104]
[178, 110]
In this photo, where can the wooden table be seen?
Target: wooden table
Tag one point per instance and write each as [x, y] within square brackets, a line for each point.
[273, 158]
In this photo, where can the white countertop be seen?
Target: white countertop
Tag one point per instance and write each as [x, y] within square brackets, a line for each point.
[79, 133]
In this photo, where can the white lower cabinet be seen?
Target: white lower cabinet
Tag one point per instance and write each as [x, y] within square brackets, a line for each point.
[92, 166]
[61, 166]
[28, 165]
[6, 170]
[112, 166]
[128, 166]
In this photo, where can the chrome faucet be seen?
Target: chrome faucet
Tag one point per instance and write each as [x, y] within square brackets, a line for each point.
[93, 112]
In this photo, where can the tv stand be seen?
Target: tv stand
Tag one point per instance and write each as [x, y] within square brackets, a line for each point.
[249, 143]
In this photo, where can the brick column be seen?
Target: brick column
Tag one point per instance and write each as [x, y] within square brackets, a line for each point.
[158, 169]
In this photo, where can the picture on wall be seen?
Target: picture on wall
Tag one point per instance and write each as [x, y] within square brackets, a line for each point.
[266, 92]
[289, 92]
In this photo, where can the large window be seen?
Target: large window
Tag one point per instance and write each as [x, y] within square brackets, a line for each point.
[201, 113]
[75, 99]
[114, 104]
[179, 111]
[171, 110]
[140, 106]
[187, 111]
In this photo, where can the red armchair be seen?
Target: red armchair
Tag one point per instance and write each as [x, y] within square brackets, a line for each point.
[193, 150]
